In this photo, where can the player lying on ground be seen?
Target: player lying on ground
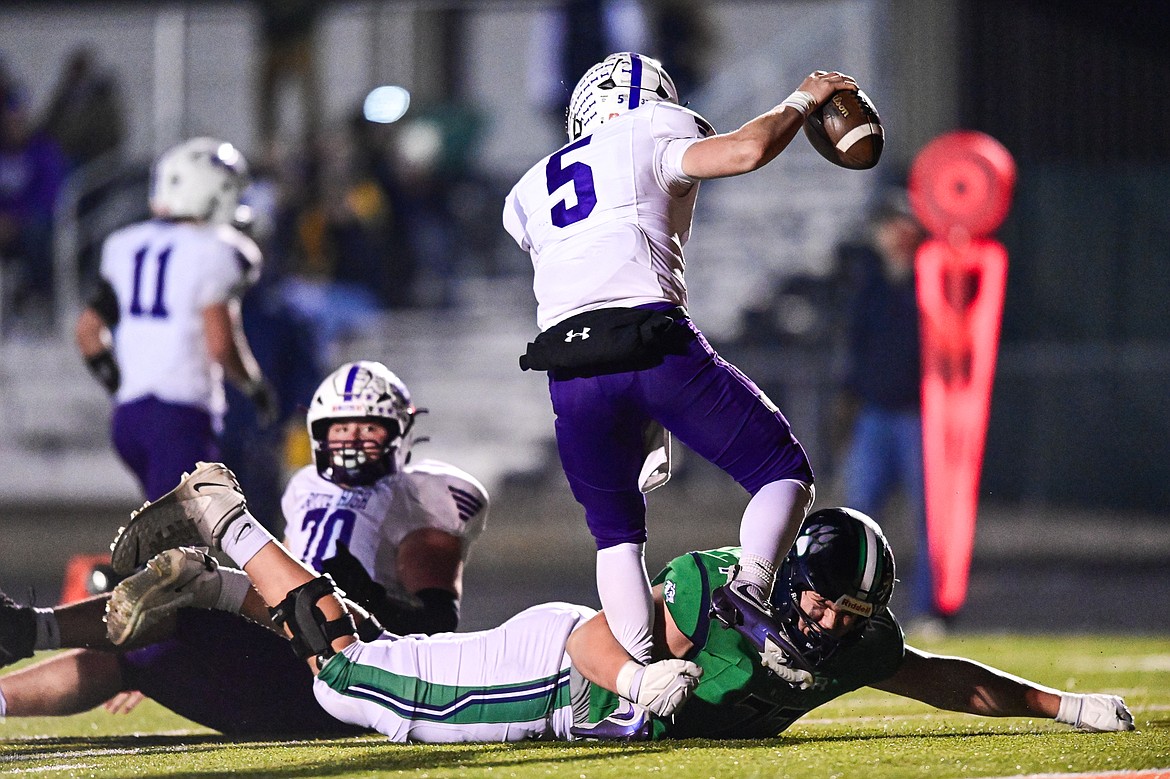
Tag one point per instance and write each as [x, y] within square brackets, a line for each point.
[361, 507]
[549, 671]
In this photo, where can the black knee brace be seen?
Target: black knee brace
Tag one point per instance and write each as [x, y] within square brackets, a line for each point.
[312, 634]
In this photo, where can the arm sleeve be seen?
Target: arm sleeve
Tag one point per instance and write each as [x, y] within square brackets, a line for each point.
[675, 129]
[224, 278]
[515, 221]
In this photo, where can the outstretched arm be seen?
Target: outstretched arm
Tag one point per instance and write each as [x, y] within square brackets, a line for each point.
[760, 141]
[959, 684]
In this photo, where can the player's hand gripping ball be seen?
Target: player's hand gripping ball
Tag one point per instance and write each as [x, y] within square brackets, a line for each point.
[847, 130]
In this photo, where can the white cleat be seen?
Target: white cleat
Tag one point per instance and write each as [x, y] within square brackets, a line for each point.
[195, 513]
[139, 606]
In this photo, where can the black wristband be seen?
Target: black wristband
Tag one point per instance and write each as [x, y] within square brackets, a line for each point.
[105, 369]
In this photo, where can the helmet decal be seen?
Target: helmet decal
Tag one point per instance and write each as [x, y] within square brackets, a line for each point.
[619, 83]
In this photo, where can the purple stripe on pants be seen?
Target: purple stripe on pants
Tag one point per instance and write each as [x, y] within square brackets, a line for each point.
[704, 401]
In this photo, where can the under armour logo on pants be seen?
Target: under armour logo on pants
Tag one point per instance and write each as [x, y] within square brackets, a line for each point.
[584, 334]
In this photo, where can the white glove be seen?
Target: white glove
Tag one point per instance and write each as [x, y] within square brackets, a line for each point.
[1094, 712]
[776, 661]
[661, 687]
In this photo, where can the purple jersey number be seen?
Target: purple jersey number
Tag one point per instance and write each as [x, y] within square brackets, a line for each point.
[581, 176]
[324, 532]
[158, 309]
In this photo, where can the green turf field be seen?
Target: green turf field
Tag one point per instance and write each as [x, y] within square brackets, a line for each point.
[867, 734]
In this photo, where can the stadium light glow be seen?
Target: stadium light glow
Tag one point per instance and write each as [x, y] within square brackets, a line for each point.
[386, 104]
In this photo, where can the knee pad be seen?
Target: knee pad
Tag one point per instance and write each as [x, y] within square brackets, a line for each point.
[312, 634]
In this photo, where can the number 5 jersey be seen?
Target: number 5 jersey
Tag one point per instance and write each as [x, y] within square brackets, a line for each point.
[605, 217]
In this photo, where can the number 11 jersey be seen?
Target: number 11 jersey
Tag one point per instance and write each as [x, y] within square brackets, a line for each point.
[164, 275]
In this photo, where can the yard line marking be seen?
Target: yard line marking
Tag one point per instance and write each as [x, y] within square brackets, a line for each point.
[1149, 773]
[66, 767]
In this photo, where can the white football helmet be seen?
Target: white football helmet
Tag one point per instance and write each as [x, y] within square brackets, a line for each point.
[202, 178]
[363, 390]
[619, 83]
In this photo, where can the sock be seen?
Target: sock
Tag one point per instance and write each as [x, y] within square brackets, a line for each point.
[233, 588]
[244, 537]
[3, 705]
[759, 573]
[48, 631]
[768, 528]
[624, 590]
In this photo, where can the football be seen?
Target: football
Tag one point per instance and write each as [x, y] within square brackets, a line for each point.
[847, 130]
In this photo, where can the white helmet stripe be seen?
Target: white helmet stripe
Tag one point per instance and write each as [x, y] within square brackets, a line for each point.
[872, 552]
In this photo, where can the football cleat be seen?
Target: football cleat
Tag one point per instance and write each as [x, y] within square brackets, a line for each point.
[629, 722]
[735, 606]
[18, 631]
[196, 513]
[171, 580]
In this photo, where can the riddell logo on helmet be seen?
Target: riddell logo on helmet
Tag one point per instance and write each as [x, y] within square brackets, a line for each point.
[855, 606]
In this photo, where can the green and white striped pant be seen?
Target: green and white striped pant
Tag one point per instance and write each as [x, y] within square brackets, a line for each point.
[510, 683]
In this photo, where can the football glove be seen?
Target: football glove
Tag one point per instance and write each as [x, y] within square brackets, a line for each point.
[661, 687]
[104, 368]
[264, 401]
[1094, 712]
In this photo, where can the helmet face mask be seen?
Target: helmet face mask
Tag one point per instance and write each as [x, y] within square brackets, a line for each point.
[619, 83]
[843, 556]
[364, 392]
[200, 179]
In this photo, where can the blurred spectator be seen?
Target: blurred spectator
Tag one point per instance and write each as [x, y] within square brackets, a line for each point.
[881, 391]
[288, 54]
[684, 35]
[32, 171]
[433, 169]
[85, 114]
[339, 260]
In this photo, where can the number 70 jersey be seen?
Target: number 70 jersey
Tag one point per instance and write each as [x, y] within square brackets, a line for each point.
[164, 275]
[605, 217]
[373, 520]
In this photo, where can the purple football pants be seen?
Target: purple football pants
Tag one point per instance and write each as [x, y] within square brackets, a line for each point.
[159, 441]
[704, 401]
[232, 675]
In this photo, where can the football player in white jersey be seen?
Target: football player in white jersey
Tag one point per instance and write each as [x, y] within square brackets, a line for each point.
[394, 534]
[604, 219]
[363, 507]
[163, 329]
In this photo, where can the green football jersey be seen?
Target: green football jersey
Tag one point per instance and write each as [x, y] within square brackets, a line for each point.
[737, 697]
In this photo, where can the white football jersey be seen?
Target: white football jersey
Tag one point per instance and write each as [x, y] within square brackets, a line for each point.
[164, 275]
[372, 520]
[605, 217]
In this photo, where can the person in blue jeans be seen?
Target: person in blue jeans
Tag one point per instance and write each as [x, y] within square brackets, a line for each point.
[883, 383]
